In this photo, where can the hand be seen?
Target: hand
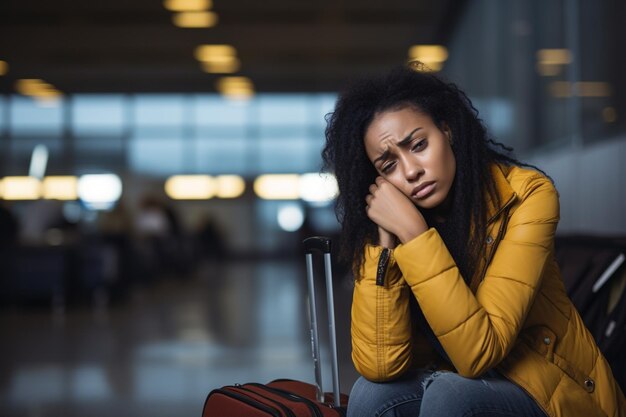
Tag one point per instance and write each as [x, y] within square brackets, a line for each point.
[392, 211]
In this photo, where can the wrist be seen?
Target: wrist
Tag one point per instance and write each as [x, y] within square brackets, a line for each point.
[386, 239]
[408, 235]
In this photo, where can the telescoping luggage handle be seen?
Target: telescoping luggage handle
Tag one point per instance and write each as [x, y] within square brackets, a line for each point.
[322, 244]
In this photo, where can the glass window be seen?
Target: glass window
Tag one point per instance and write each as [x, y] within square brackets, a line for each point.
[325, 104]
[30, 116]
[223, 156]
[166, 110]
[159, 156]
[288, 154]
[3, 112]
[283, 109]
[21, 152]
[215, 110]
[221, 132]
[278, 131]
[601, 91]
[98, 114]
[106, 153]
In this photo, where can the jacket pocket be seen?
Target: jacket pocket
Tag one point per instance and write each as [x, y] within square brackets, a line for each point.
[544, 341]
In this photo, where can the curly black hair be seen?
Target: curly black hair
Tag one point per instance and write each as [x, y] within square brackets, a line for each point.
[344, 155]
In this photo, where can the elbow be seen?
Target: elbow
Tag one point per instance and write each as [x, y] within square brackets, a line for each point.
[470, 372]
[382, 368]
[476, 368]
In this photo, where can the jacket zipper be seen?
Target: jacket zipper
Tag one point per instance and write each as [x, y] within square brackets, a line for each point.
[291, 396]
[504, 206]
[383, 260]
[496, 241]
[247, 400]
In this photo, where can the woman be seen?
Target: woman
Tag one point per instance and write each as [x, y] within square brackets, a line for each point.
[458, 307]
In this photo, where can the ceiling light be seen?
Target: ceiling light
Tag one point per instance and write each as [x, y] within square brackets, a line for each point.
[593, 89]
[225, 83]
[195, 19]
[235, 87]
[31, 86]
[554, 56]
[290, 217]
[60, 188]
[38, 89]
[432, 56]
[4, 68]
[190, 187]
[560, 89]
[187, 5]
[609, 114]
[277, 186]
[318, 188]
[99, 191]
[214, 53]
[548, 70]
[564, 89]
[230, 186]
[227, 67]
[21, 188]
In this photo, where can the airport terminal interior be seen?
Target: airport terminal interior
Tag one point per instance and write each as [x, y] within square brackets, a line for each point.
[160, 165]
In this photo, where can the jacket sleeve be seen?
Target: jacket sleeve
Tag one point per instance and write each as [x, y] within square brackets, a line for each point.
[381, 323]
[478, 331]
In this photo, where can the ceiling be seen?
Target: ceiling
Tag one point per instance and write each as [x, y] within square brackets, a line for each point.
[283, 45]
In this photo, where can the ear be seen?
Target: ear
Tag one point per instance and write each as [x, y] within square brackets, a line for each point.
[447, 132]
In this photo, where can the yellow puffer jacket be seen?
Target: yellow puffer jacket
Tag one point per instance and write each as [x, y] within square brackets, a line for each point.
[515, 315]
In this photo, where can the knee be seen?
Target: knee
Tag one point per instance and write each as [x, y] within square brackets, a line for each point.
[364, 398]
[442, 396]
[383, 399]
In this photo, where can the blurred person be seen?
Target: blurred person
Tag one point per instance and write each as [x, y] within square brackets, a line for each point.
[8, 240]
[8, 227]
[210, 239]
[458, 307]
[116, 228]
[116, 222]
[37, 218]
[160, 239]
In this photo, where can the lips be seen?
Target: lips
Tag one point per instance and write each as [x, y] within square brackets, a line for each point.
[423, 190]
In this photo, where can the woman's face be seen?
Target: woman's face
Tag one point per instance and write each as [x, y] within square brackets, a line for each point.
[412, 153]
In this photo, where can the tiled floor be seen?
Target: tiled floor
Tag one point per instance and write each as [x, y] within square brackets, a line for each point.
[163, 349]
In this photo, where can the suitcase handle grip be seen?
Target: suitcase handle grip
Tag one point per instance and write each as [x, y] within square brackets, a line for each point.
[316, 243]
[322, 244]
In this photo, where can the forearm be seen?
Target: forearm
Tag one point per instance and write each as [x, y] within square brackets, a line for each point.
[477, 331]
[381, 323]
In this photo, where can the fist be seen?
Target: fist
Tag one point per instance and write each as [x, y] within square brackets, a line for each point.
[391, 210]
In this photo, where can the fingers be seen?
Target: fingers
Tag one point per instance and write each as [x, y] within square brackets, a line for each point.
[373, 190]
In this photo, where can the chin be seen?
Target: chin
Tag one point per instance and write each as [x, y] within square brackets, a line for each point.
[429, 203]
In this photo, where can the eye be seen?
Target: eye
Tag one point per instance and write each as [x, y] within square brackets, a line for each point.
[388, 167]
[419, 145]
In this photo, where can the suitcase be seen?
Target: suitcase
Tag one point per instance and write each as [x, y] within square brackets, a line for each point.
[286, 397]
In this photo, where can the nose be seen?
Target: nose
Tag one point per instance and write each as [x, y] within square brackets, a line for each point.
[412, 170]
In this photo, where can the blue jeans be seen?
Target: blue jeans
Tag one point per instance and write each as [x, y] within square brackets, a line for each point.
[437, 394]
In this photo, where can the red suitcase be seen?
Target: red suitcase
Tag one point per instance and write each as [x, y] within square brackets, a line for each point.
[285, 397]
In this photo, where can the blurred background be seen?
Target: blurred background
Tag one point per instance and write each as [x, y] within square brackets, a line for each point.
[159, 167]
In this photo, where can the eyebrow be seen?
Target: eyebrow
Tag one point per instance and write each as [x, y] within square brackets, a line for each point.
[403, 142]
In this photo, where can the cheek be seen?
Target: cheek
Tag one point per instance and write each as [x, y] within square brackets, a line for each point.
[450, 167]
[398, 182]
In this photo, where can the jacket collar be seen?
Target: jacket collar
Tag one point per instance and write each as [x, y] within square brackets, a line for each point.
[506, 195]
